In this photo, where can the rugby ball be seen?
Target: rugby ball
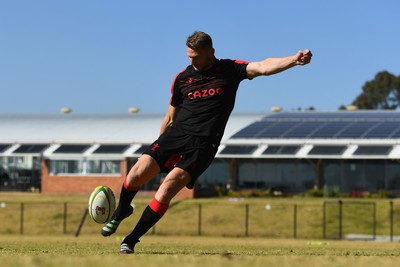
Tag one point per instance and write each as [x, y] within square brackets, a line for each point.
[101, 204]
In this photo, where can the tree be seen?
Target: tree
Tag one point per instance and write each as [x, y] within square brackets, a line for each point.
[383, 92]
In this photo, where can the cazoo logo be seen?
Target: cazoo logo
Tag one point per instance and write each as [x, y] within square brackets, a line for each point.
[204, 93]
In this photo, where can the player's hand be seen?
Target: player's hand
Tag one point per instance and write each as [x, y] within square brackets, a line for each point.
[303, 57]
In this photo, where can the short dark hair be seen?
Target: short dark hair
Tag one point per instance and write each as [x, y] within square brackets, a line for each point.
[198, 40]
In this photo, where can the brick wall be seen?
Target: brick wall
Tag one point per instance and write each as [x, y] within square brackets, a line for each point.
[75, 184]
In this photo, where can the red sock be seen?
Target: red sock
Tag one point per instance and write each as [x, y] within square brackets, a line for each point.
[150, 216]
[130, 188]
[158, 207]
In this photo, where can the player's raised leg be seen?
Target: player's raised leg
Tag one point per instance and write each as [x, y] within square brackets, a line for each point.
[144, 169]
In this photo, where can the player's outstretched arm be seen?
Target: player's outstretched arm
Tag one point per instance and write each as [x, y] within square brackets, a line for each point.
[271, 66]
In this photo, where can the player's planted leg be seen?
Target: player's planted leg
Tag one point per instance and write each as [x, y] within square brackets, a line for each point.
[151, 215]
[171, 185]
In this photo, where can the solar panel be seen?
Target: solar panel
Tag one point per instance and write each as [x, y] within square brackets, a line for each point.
[4, 147]
[396, 132]
[330, 129]
[111, 149]
[356, 124]
[336, 115]
[37, 148]
[302, 115]
[303, 129]
[373, 150]
[327, 150]
[383, 130]
[277, 129]
[356, 129]
[240, 150]
[252, 130]
[141, 149]
[71, 149]
[281, 150]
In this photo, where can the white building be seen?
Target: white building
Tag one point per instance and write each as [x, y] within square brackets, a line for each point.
[352, 151]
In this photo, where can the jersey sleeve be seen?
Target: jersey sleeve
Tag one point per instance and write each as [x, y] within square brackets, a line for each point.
[176, 96]
[240, 67]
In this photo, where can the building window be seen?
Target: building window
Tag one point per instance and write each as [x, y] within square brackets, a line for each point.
[20, 173]
[66, 166]
[83, 167]
[287, 176]
[103, 166]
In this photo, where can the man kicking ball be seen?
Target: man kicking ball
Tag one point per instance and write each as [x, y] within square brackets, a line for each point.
[203, 97]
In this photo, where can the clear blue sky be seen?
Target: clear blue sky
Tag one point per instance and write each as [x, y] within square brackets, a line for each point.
[98, 56]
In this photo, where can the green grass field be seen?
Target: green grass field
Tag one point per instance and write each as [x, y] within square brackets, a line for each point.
[177, 242]
[175, 251]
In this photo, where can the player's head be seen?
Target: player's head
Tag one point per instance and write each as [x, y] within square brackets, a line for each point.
[200, 50]
[199, 40]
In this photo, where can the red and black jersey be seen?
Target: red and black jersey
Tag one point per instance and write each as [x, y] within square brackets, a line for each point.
[206, 99]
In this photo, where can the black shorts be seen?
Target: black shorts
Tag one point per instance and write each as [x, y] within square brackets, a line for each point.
[176, 149]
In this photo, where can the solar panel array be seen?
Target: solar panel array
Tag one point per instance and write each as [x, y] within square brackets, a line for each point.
[142, 148]
[341, 124]
[25, 148]
[239, 150]
[4, 147]
[327, 150]
[71, 149]
[373, 150]
[281, 150]
[110, 149]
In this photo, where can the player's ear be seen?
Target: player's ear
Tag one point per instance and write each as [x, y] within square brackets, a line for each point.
[212, 51]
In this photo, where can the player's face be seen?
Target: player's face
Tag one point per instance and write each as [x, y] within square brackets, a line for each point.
[201, 59]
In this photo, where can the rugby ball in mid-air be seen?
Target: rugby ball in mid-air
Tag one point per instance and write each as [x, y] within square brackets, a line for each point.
[101, 204]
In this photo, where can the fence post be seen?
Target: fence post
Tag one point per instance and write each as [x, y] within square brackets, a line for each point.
[374, 219]
[246, 233]
[295, 221]
[78, 231]
[65, 218]
[199, 224]
[391, 221]
[324, 221]
[21, 230]
[340, 219]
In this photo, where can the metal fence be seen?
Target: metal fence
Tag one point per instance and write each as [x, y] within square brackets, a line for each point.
[332, 220]
[339, 214]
